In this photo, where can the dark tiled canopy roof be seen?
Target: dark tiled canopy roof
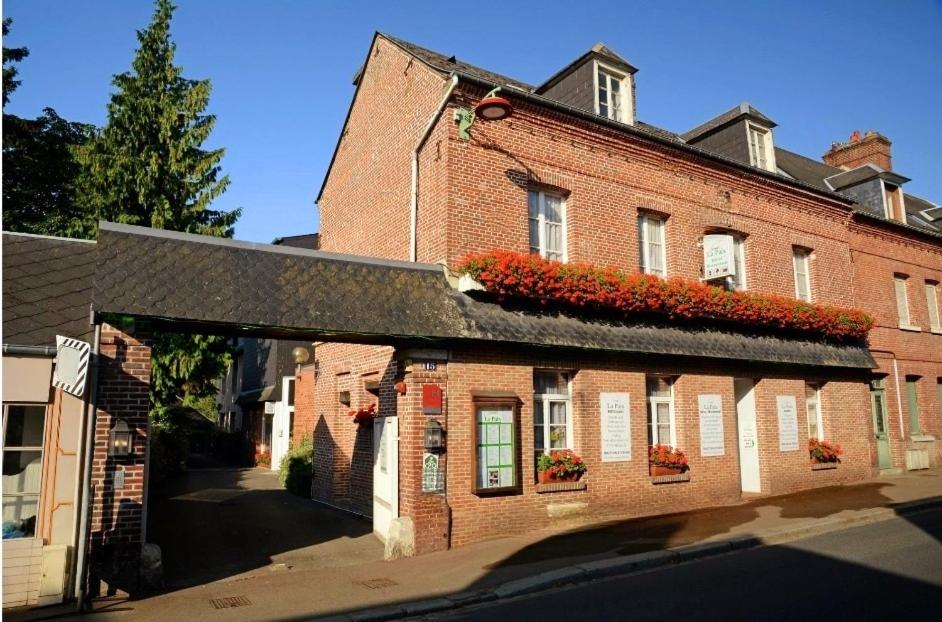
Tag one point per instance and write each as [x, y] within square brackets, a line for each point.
[47, 289]
[742, 110]
[283, 292]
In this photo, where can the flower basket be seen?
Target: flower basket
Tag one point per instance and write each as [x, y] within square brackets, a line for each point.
[363, 416]
[560, 466]
[623, 295]
[666, 460]
[823, 452]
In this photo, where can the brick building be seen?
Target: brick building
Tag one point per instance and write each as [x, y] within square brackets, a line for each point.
[574, 175]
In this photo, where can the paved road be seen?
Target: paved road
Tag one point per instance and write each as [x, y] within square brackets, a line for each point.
[216, 523]
[886, 570]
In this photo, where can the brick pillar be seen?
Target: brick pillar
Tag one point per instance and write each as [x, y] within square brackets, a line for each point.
[429, 511]
[117, 493]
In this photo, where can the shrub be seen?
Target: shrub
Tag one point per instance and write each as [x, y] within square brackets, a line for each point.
[297, 469]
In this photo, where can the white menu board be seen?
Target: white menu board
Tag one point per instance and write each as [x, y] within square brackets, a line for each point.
[787, 423]
[616, 427]
[712, 440]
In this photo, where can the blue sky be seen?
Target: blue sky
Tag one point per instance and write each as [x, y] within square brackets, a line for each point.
[282, 69]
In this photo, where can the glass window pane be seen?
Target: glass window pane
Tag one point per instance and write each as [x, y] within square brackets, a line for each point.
[22, 471]
[25, 425]
[663, 414]
[534, 235]
[558, 438]
[533, 204]
[558, 413]
[551, 382]
[538, 412]
[538, 437]
[19, 516]
[553, 211]
[603, 107]
[664, 434]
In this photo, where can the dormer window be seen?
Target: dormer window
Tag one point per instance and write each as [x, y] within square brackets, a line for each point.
[891, 203]
[611, 102]
[760, 147]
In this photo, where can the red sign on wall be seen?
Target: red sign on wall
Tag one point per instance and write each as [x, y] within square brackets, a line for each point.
[431, 399]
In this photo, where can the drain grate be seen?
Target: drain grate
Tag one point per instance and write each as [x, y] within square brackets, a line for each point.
[375, 584]
[229, 602]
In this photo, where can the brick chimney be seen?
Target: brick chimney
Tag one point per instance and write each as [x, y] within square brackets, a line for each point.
[871, 148]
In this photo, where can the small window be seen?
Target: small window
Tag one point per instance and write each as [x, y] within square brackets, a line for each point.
[932, 301]
[547, 216]
[760, 152]
[610, 95]
[813, 410]
[661, 426]
[23, 432]
[889, 201]
[739, 257]
[651, 247]
[912, 395]
[801, 264]
[552, 411]
[902, 301]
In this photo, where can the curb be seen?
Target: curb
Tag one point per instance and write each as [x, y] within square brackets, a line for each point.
[615, 566]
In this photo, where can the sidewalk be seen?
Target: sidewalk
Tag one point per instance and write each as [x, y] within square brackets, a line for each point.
[509, 566]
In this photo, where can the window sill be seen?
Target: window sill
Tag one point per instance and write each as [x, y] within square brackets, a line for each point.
[823, 466]
[914, 329]
[936, 331]
[560, 487]
[670, 479]
[922, 438]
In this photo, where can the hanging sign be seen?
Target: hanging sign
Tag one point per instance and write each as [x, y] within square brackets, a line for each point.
[71, 366]
[712, 440]
[787, 423]
[718, 259]
[616, 427]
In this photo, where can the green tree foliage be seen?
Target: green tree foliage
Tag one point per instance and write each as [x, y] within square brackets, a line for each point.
[39, 169]
[147, 167]
[10, 56]
[39, 172]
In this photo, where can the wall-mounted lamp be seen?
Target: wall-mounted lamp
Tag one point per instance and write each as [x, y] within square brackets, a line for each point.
[300, 356]
[120, 439]
[434, 436]
[491, 108]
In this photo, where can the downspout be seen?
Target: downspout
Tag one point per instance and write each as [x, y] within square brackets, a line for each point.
[899, 398]
[414, 206]
[79, 565]
[29, 350]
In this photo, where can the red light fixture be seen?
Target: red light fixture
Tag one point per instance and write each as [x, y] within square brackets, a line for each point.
[493, 108]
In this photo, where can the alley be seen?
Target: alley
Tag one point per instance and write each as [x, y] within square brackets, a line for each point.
[216, 523]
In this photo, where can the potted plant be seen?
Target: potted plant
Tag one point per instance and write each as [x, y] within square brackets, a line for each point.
[561, 465]
[823, 452]
[666, 460]
[363, 416]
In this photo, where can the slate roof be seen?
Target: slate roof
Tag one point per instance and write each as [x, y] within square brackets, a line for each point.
[743, 109]
[47, 289]
[282, 292]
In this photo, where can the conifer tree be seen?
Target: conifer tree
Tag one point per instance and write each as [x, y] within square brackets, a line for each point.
[147, 167]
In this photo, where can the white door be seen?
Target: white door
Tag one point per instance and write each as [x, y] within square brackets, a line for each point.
[748, 434]
[281, 424]
[385, 474]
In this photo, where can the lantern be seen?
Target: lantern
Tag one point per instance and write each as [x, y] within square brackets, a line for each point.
[120, 439]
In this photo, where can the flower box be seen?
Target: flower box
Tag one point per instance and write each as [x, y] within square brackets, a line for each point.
[823, 466]
[671, 479]
[625, 295]
[666, 461]
[363, 416]
[560, 466]
[823, 452]
[560, 486]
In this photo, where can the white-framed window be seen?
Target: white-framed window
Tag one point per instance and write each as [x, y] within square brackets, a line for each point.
[610, 95]
[902, 299]
[932, 301]
[547, 215]
[801, 263]
[661, 426]
[23, 433]
[813, 409]
[652, 247]
[760, 147]
[552, 411]
[739, 257]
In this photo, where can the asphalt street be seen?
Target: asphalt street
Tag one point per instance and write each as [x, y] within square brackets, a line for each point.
[880, 571]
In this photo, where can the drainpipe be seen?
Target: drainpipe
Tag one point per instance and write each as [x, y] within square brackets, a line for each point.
[899, 397]
[81, 553]
[29, 350]
[414, 206]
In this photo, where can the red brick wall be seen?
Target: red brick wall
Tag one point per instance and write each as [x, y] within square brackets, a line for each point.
[364, 207]
[878, 254]
[123, 393]
[624, 489]
[873, 149]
